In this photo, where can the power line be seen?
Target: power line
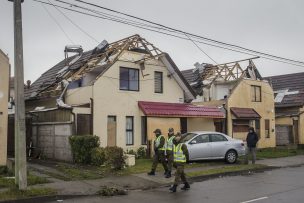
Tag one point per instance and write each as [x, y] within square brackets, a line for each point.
[163, 32]
[190, 34]
[201, 49]
[57, 23]
[71, 21]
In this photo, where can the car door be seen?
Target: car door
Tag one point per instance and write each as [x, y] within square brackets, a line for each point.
[219, 145]
[199, 147]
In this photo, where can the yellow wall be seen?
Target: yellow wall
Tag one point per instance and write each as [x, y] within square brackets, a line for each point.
[4, 89]
[163, 124]
[200, 124]
[241, 97]
[109, 100]
[284, 121]
[72, 95]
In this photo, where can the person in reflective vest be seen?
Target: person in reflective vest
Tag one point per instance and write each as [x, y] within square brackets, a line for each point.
[181, 156]
[159, 152]
[169, 151]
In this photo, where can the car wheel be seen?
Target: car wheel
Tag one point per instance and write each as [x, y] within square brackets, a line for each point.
[231, 157]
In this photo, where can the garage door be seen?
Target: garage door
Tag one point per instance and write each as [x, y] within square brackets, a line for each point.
[284, 134]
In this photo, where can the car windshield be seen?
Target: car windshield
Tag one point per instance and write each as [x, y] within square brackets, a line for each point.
[187, 136]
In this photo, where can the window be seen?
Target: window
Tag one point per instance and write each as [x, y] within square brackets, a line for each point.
[257, 127]
[200, 139]
[129, 130]
[129, 79]
[158, 82]
[143, 130]
[240, 125]
[267, 128]
[218, 138]
[256, 95]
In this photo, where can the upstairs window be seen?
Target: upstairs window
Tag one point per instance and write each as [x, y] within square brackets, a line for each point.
[256, 95]
[158, 82]
[129, 79]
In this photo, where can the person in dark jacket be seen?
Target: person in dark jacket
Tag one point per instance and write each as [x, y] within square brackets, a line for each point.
[252, 140]
[159, 152]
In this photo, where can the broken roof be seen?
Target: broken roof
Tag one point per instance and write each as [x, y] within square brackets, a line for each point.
[206, 74]
[48, 84]
[291, 87]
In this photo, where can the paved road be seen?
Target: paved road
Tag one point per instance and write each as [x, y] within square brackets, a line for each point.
[281, 185]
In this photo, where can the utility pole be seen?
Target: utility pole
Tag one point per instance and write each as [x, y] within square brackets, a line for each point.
[20, 129]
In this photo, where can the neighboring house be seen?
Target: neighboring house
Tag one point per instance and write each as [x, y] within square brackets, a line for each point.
[289, 107]
[4, 89]
[120, 92]
[246, 98]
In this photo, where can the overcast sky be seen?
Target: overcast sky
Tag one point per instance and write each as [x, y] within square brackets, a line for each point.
[272, 26]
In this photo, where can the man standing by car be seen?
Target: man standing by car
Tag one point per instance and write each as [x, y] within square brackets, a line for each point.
[169, 152]
[159, 152]
[181, 155]
[252, 139]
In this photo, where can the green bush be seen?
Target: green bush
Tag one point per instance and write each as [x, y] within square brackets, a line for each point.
[3, 170]
[98, 156]
[141, 153]
[131, 151]
[81, 146]
[115, 157]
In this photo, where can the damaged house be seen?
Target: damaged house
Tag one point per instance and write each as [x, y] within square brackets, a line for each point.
[243, 95]
[120, 92]
[289, 108]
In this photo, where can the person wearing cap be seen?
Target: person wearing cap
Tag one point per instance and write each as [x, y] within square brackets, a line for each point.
[252, 139]
[181, 156]
[159, 152]
[169, 151]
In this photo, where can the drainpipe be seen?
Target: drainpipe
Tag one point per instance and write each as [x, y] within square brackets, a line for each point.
[92, 116]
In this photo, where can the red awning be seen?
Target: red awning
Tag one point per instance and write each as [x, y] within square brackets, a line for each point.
[245, 113]
[162, 109]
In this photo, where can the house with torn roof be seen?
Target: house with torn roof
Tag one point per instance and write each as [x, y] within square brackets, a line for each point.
[289, 108]
[241, 92]
[120, 91]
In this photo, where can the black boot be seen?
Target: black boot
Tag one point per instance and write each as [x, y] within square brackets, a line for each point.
[168, 175]
[151, 173]
[173, 188]
[186, 186]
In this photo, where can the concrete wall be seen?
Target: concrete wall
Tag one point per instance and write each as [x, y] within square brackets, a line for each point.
[200, 124]
[52, 140]
[241, 97]
[110, 100]
[4, 91]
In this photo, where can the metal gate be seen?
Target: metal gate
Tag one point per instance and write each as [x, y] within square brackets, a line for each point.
[284, 135]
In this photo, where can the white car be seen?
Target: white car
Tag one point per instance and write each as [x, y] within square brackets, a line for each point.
[204, 145]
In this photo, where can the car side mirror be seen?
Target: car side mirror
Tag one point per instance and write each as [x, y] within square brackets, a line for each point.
[193, 142]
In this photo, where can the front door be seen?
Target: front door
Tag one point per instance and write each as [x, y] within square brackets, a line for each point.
[111, 131]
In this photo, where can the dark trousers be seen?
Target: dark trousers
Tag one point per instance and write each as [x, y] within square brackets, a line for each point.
[159, 156]
[170, 159]
[252, 151]
[180, 175]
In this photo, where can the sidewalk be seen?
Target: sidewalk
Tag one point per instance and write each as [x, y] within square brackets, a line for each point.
[143, 181]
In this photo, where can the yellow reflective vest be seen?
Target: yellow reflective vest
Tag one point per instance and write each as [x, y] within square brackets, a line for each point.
[169, 145]
[179, 156]
[157, 143]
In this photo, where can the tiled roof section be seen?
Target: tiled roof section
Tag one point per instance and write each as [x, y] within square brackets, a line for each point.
[162, 109]
[193, 80]
[189, 75]
[244, 113]
[49, 77]
[292, 82]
